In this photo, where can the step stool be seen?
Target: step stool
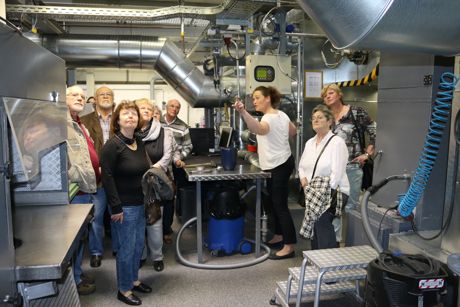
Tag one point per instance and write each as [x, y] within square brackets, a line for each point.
[343, 267]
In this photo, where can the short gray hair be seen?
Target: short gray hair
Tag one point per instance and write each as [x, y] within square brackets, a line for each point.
[325, 110]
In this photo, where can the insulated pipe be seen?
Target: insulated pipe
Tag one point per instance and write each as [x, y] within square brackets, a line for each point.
[165, 57]
[396, 25]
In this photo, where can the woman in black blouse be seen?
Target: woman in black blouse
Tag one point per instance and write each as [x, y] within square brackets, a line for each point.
[123, 163]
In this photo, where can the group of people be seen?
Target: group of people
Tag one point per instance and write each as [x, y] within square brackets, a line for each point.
[329, 170]
[116, 145]
[111, 148]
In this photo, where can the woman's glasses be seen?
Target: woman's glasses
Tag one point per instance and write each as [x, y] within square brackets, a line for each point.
[313, 118]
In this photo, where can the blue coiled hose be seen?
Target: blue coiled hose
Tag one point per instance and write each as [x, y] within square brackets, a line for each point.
[439, 119]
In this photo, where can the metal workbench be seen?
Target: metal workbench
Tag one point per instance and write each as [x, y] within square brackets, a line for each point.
[241, 172]
[50, 234]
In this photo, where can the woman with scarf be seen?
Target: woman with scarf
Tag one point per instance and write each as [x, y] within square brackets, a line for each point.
[158, 145]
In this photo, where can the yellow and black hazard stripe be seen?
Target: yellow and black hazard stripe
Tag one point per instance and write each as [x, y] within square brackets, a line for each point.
[368, 78]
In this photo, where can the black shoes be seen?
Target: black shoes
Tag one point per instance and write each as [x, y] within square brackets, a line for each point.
[278, 245]
[95, 261]
[130, 299]
[158, 265]
[143, 288]
[274, 256]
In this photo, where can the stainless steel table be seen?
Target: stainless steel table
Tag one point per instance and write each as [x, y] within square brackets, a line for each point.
[50, 234]
[241, 172]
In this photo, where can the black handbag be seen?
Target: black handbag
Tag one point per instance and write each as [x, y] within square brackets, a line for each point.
[301, 199]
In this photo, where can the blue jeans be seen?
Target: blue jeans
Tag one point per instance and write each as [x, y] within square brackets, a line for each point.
[131, 236]
[355, 178]
[96, 233]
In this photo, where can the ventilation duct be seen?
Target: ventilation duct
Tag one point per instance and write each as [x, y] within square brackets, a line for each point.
[424, 26]
[165, 57]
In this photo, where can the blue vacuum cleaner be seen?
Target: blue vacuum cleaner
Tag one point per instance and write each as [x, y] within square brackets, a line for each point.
[226, 224]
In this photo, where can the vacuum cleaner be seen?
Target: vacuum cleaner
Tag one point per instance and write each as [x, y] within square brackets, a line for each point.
[226, 223]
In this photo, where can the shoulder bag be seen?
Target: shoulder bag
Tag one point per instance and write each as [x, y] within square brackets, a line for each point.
[301, 199]
[151, 204]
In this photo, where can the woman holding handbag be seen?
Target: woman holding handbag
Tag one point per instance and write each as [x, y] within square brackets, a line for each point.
[158, 147]
[123, 163]
[322, 173]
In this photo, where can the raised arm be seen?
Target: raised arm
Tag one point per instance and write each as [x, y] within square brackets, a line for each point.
[260, 128]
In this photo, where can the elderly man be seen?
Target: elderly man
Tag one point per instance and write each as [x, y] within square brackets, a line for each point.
[98, 125]
[183, 148]
[83, 170]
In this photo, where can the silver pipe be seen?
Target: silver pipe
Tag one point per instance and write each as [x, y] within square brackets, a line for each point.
[238, 93]
[299, 136]
[165, 57]
[395, 25]
[309, 35]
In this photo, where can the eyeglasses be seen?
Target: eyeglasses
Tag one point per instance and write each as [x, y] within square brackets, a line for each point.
[313, 118]
[75, 95]
[105, 94]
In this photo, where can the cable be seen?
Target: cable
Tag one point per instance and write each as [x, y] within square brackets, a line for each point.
[261, 30]
[381, 220]
[439, 119]
[239, 59]
[326, 63]
[433, 267]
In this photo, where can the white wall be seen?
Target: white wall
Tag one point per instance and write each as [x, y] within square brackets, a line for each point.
[162, 93]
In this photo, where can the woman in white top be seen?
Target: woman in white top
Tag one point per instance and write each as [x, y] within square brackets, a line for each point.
[332, 164]
[273, 132]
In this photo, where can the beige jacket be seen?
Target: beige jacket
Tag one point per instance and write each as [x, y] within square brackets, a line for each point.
[80, 170]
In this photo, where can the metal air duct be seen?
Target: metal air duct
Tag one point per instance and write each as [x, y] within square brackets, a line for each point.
[165, 57]
[424, 26]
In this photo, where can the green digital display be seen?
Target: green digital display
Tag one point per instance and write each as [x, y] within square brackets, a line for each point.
[264, 73]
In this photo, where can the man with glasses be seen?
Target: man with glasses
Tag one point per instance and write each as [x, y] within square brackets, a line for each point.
[84, 171]
[98, 125]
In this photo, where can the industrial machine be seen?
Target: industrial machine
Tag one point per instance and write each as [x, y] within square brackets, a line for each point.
[39, 229]
[268, 70]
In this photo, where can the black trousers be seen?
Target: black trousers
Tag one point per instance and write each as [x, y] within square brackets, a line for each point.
[324, 234]
[277, 187]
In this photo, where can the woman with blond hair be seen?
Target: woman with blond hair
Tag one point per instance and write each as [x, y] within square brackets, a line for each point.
[158, 146]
